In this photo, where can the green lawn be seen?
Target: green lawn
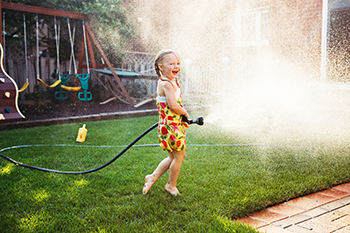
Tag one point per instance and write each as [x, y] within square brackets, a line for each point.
[218, 183]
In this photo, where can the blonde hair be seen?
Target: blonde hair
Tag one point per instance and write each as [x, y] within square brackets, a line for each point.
[159, 58]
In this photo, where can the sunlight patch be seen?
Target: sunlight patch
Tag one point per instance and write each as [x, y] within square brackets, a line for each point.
[77, 184]
[7, 169]
[41, 196]
[34, 222]
[81, 182]
[99, 230]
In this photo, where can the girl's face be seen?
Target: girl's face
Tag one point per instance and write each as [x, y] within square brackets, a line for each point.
[170, 66]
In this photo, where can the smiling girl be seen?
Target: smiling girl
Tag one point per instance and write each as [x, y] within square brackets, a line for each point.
[171, 129]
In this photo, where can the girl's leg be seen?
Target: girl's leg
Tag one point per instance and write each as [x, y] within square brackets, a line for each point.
[174, 172]
[160, 170]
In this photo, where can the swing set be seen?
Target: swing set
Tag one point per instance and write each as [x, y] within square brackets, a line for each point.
[83, 78]
[62, 78]
[86, 47]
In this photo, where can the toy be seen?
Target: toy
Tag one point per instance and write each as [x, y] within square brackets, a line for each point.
[82, 134]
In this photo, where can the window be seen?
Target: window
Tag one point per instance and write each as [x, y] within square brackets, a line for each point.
[252, 27]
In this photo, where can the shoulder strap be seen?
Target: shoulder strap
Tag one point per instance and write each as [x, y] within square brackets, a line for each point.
[169, 82]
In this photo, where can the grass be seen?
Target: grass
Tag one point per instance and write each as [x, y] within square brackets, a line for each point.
[218, 183]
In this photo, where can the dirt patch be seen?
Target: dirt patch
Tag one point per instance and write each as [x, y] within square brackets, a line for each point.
[55, 109]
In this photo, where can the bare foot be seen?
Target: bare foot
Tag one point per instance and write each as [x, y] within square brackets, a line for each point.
[149, 181]
[172, 190]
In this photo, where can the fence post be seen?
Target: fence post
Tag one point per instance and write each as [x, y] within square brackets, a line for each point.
[226, 61]
[188, 63]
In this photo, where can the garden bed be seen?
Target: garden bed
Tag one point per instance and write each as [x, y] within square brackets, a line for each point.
[55, 109]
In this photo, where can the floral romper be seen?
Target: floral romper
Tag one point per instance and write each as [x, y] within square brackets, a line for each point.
[171, 129]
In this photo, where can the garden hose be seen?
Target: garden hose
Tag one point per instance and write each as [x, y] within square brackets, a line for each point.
[87, 171]
[104, 165]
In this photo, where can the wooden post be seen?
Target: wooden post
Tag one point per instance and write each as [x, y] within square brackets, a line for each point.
[98, 46]
[91, 51]
[1, 24]
[81, 57]
[41, 10]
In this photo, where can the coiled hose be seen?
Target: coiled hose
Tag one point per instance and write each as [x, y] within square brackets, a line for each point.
[87, 171]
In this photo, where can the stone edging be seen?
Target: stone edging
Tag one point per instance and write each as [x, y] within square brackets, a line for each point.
[74, 119]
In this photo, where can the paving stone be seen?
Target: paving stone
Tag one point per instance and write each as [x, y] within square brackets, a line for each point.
[272, 229]
[287, 210]
[327, 211]
[298, 229]
[330, 218]
[344, 209]
[323, 198]
[316, 212]
[345, 200]
[283, 223]
[298, 218]
[304, 203]
[343, 230]
[267, 216]
[317, 227]
[343, 187]
[344, 221]
[335, 193]
[332, 206]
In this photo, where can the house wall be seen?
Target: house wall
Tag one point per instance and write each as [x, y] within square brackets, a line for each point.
[205, 32]
[297, 32]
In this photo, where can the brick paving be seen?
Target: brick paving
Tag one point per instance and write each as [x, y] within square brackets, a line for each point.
[322, 212]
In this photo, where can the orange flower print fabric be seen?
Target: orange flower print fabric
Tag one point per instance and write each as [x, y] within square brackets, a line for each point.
[171, 129]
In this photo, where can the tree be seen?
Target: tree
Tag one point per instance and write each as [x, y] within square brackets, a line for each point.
[110, 20]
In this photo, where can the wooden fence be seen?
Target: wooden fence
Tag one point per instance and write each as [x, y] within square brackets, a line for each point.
[196, 79]
[15, 66]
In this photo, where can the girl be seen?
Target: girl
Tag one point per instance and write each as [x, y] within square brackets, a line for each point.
[171, 128]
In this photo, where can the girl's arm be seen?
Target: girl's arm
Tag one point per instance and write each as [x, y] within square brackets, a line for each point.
[170, 98]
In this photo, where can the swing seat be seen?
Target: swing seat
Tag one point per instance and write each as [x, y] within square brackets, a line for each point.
[63, 78]
[24, 87]
[70, 88]
[85, 95]
[62, 94]
[55, 84]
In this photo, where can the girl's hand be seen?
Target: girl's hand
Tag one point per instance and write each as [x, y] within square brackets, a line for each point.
[186, 115]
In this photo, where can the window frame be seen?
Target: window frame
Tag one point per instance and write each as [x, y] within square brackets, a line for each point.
[258, 41]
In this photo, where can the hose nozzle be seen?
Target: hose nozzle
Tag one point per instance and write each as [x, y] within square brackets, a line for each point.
[198, 121]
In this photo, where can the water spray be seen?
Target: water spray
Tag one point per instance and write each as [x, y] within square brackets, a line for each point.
[198, 121]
